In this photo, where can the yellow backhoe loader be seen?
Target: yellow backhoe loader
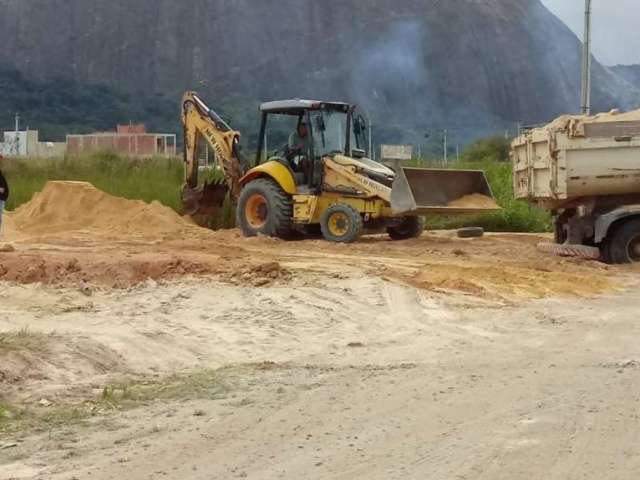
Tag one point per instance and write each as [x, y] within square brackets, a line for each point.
[321, 181]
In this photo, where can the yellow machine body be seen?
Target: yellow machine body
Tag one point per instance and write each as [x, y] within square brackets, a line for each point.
[358, 192]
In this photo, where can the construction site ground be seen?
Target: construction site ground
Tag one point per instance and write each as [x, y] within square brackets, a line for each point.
[134, 344]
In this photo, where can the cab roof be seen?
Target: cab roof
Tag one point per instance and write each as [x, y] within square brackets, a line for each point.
[298, 106]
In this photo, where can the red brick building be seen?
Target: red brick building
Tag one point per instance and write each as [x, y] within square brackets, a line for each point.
[129, 140]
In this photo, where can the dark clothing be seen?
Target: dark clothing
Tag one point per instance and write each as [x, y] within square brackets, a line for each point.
[4, 194]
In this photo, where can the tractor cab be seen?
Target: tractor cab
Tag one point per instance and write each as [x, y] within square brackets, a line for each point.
[301, 133]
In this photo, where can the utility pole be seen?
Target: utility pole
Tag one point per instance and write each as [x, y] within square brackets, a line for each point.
[586, 61]
[371, 154]
[446, 156]
[16, 140]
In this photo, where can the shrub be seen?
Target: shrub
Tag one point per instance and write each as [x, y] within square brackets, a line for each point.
[491, 149]
[516, 215]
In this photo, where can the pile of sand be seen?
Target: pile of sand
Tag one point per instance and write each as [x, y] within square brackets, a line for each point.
[487, 280]
[475, 200]
[73, 206]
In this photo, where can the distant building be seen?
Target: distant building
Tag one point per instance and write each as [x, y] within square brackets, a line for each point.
[129, 140]
[27, 144]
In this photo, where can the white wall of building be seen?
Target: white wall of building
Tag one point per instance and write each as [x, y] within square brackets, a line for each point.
[28, 144]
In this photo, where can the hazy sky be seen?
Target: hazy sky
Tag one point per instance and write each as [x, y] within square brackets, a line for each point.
[616, 32]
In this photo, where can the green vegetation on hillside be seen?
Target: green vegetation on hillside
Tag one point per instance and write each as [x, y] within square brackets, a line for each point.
[487, 150]
[58, 107]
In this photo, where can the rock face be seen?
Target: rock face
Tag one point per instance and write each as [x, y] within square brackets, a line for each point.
[631, 73]
[418, 63]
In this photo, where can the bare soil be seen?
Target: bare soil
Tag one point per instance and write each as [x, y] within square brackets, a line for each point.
[434, 358]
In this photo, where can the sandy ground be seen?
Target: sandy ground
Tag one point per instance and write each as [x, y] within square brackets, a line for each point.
[434, 358]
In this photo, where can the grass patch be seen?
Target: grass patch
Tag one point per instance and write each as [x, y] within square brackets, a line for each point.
[208, 384]
[152, 179]
[133, 178]
[117, 396]
[23, 340]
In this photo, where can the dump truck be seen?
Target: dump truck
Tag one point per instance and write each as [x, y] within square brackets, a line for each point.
[586, 171]
[321, 180]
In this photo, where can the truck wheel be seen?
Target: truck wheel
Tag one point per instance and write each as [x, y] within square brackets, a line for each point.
[470, 232]
[264, 209]
[341, 223]
[410, 227]
[624, 245]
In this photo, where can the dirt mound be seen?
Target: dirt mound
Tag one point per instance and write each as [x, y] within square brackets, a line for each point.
[73, 206]
[527, 281]
[259, 275]
[107, 271]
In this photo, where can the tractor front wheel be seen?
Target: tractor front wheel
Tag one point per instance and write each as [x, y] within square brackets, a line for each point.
[264, 209]
[341, 223]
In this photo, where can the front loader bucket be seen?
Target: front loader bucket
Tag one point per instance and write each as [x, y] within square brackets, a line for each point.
[423, 191]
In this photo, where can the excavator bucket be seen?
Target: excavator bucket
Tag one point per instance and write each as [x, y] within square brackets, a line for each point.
[425, 191]
[205, 201]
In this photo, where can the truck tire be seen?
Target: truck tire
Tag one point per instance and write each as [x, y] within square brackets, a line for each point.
[470, 232]
[410, 227]
[624, 244]
[341, 223]
[264, 209]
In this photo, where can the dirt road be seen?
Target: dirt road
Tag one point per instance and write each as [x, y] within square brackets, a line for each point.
[173, 352]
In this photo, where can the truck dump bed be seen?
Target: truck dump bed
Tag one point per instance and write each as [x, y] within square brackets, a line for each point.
[578, 156]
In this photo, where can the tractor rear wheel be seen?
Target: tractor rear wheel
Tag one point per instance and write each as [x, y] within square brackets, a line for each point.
[341, 223]
[264, 209]
[410, 227]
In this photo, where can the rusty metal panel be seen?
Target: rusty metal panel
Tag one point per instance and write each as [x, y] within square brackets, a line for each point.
[612, 129]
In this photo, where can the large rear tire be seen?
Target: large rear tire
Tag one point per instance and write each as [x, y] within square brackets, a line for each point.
[410, 227]
[341, 223]
[264, 209]
[624, 244]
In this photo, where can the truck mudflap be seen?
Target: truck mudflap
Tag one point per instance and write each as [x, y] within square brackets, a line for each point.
[566, 250]
[426, 191]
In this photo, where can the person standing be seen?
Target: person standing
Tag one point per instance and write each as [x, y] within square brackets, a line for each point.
[4, 191]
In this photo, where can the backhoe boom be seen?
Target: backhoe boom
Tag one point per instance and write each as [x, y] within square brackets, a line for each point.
[200, 122]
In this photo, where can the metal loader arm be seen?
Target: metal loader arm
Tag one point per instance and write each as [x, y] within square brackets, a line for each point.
[198, 121]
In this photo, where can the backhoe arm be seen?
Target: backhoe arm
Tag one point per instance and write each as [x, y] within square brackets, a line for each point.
[199, 121]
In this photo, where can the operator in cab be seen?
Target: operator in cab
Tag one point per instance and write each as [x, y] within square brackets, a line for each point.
[299, 146]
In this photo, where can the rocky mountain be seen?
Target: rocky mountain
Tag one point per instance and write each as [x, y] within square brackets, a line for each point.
[631, 73]
[470, 65]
